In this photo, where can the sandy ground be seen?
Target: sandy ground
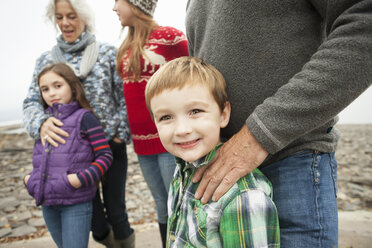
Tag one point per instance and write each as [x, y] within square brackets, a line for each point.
[355, 231]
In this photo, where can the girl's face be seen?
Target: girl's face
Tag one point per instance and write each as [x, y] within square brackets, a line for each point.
[123, 10]
[69, 23]
[54, 89]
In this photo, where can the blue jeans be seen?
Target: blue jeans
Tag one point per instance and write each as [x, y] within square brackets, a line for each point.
[111, 213]
[305, 190]
[69, 225]
[158, 172]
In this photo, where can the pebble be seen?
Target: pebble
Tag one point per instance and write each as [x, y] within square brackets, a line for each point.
[19, 216]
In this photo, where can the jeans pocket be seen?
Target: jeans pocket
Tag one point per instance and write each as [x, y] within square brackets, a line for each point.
[315, 168]
[333, 164]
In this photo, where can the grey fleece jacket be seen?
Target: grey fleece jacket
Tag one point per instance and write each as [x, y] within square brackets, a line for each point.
[290, 65]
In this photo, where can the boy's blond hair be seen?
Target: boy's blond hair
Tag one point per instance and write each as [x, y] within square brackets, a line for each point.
[187, 71]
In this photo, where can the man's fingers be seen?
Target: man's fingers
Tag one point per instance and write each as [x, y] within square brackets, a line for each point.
[211, 179]
[228, 181]
[208, 179]
[200, 171]
[211, 187]
[196, 178]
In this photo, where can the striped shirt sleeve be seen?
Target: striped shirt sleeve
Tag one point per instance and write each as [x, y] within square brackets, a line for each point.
[91, 130]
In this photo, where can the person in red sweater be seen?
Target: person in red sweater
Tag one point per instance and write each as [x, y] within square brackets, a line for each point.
[145, 49]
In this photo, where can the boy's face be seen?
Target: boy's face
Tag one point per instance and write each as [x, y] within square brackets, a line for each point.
[189, 121]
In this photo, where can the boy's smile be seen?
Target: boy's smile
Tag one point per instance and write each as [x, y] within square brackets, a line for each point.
[188, 121]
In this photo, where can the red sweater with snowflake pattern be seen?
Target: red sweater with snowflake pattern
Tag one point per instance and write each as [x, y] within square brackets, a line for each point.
[165, 44]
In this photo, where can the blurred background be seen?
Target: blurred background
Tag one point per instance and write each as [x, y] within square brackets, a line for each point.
[26, 34]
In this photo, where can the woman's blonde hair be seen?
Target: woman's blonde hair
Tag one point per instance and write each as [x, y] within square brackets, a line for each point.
[187, 71]
[137, 37]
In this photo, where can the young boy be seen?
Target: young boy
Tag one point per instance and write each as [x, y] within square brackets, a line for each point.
[188, 102]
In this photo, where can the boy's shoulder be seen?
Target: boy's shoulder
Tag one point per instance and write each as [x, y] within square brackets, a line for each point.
[253, 183]
[255, 180]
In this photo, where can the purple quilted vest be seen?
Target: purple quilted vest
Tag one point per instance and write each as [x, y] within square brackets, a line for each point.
[48, 183]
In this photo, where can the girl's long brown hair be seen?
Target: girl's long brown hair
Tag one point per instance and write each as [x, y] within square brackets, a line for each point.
[137, 37]
[73, 81]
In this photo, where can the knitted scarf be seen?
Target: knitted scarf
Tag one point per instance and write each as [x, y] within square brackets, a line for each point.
[87, 42]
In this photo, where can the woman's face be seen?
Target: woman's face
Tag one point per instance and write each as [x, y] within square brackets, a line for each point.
[69, 23]
[123, 10]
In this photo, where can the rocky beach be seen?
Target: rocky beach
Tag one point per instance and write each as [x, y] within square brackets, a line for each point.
[20, 219]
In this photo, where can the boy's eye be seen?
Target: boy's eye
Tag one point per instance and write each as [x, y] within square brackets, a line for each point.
[58, 86]
[44, 89]
[165, 117]
[196, 111]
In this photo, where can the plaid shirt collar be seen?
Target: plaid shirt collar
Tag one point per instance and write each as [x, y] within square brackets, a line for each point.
[184, 166]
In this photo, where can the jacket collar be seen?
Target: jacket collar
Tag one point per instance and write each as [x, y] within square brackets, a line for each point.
[61, 111]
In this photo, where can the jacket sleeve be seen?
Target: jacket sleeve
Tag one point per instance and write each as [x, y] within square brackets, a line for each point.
[33, 111]
[336, 74]
[120, 117]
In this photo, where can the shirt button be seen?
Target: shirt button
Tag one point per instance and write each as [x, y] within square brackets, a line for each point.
[46, 150]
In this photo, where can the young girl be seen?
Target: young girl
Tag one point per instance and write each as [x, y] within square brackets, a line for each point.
[147, 47]
[64, 178]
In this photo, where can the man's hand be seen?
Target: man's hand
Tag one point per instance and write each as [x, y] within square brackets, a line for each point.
[236, 158]
[51, 132]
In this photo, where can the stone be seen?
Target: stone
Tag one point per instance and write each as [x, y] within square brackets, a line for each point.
[37, 213]
[36, 222]
[9, 209]
[9, 202]
[4, 222]
[4, 232]
[22, 216]
[23, 230]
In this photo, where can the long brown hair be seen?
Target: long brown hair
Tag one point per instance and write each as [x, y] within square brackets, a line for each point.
[73, 81]
[137, 37]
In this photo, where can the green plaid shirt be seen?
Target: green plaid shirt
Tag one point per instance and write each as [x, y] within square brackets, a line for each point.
[244, 217]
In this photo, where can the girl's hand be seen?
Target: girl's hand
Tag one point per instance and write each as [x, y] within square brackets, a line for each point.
[25, 180]
[117, 140]
[51, 132]
[74, 180]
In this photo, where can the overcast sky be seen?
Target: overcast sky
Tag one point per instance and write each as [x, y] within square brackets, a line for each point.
[25, 35]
